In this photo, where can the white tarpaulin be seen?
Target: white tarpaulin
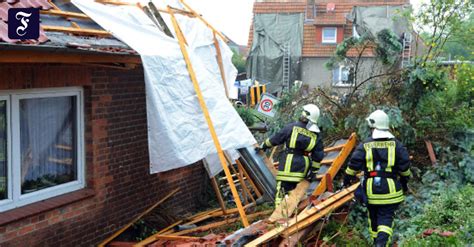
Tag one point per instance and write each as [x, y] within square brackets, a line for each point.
[213, 164]
[177, 132]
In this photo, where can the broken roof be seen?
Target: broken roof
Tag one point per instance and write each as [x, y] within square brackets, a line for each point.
[63, 26]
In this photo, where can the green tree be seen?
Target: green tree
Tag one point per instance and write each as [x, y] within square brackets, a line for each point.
[238, 61]
[461, 43]
[442, 20]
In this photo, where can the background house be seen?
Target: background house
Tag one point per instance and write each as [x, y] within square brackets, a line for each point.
[324, 26]
[74, 163]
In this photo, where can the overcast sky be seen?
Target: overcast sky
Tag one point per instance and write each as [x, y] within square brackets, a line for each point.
[233, 17]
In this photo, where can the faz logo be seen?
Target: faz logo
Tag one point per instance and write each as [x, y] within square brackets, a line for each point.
[23, 23]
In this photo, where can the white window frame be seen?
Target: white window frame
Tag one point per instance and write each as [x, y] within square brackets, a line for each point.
[9, 199]
[329, 41]
[16, 199]
[340, 82]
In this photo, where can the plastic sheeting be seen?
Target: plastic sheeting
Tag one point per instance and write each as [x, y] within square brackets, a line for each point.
[271, 33]
[177, 132]
[373, 19]
[213, 164]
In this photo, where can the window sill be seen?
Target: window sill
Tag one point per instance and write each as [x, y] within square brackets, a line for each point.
[328, 43]
[43, 206]
[341, 85]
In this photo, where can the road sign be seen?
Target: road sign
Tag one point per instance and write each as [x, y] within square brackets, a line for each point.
[267, 105]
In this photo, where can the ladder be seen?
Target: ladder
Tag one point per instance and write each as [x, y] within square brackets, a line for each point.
[406, 53]
[286, 66]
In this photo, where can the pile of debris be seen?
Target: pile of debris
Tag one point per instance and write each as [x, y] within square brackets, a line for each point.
[254, 176]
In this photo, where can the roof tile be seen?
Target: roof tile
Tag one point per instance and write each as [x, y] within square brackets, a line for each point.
[4, 6]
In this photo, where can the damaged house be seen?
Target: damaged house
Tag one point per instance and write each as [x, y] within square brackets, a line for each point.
[292, 40]
[74, 160]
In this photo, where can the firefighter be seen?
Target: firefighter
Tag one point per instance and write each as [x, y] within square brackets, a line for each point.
[303, 154]
[386, 164]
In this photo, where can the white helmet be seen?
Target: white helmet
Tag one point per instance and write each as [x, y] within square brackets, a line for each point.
[311, 112]
[378, 120]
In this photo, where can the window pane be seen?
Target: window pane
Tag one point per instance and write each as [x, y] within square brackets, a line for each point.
[329, 33]
[3, 150]
[335, 75]
[345, 74]
[47, 142]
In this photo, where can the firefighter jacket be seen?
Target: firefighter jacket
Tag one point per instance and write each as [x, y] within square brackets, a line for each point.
[304, 151]
[393, 161]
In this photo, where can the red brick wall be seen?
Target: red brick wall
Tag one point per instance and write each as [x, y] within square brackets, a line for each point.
[116, 159]
[319, 35]
[340, 34]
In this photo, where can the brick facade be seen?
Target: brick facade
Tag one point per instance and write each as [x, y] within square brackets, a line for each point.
[117, 168]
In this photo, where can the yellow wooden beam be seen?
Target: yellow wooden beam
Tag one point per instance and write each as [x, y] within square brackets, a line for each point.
[207, 116]
[66, 14]
[78, 31]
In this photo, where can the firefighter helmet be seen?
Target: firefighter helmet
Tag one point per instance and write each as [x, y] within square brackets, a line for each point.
[378, 120]
[311, 112]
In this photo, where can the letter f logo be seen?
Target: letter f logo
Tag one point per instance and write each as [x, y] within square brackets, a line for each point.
[23, 23]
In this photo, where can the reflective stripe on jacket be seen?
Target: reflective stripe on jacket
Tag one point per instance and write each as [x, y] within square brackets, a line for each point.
[304, 150]
[393, 159]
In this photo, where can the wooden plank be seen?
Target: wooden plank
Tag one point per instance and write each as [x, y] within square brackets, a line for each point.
[106, 241]
[245, 187]
[17, 56]
[336, 165]
[255, 188]
[66, 14]
[431, 153]
[212, 131]
[327, 162]
[224, 38]
[78, 31]
[175, 238]
[219, 224]
[218, 194]
[239, 178]
[335, 148]
[302, 217]
[114, 2]
[302, 224]
[287, 207]
[219, 62]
